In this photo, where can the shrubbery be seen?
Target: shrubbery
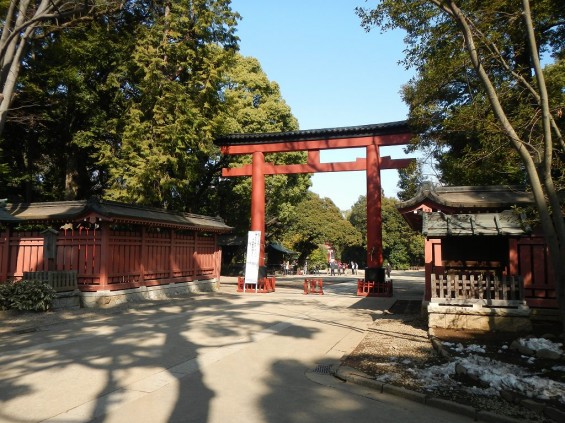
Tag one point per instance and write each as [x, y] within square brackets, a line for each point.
[26, 295]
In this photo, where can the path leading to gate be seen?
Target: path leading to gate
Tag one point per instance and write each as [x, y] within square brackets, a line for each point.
[219, 357]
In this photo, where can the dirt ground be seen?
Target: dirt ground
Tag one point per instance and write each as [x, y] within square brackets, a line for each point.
[397, 348]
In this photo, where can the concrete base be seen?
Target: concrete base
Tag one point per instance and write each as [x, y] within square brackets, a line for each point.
[545, 315]
[484, 319]
[144, 293]
[66, 300]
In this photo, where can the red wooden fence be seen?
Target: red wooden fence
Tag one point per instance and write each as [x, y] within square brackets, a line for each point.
[535, 267]
[527, 257]
[108, 259]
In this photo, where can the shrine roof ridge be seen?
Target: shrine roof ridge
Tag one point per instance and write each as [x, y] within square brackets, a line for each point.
[397, 127]
[112, 210]
[469, 197]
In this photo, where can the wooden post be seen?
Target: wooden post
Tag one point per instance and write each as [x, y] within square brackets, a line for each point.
[193, 267]
[258, 200]
[49, 248]
[513, 258]
[143, 258]
[374, 218]
[104, 254]
[5, 253]
[428, 266]
[173, 266]
[217, 259]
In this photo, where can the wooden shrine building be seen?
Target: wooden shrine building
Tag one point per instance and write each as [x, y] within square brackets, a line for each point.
[475, 232]
[110, 251]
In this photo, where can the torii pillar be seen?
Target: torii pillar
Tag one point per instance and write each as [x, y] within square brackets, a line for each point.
[372, 137]
[374, 215]
[258, 200]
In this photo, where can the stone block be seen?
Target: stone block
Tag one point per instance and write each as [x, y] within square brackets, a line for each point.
[106, 298]
[404, 393]
[451, 406]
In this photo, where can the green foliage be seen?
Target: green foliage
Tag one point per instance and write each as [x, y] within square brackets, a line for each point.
[409, 181]
[358, 217]
[255, 104]
[316, 221]
[402, 247]
[26, 295]
[449, 108]
[318, 258]
[166, 152]
[125, 105]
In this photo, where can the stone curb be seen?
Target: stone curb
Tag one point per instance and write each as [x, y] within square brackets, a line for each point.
[350, 375]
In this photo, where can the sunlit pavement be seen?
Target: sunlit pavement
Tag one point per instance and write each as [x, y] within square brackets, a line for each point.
[219, 357]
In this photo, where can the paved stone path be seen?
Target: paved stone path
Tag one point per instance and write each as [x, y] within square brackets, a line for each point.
[218, 357]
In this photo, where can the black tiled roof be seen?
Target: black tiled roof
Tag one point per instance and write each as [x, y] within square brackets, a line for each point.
[111, 210]
[495, 197]
[399, 127]
[438, 224]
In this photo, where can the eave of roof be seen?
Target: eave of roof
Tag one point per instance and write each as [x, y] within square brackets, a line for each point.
[495, 197]
[314, 134]
[280, 248]
[111, 211]
[506, 223]
[230, 240]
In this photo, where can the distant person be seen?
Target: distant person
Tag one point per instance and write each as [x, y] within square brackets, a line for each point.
[388, 269]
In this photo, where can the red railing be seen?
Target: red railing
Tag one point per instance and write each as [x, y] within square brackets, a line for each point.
[114, 259]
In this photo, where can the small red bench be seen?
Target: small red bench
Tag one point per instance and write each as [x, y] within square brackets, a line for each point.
[374, 289]
[314, 286]
[264, 285]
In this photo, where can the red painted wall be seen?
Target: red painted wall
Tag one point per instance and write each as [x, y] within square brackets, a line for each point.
[111, 259]
[527, 257]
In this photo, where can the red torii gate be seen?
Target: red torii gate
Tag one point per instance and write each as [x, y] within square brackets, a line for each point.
[372, 137]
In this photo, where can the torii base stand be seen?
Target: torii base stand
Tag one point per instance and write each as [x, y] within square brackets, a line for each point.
[374, 284]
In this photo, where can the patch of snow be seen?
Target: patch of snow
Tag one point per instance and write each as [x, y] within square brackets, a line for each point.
[496, 376]
[536, 344]
[460, 348]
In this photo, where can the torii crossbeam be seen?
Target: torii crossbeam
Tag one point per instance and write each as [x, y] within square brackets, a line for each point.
[372, 137]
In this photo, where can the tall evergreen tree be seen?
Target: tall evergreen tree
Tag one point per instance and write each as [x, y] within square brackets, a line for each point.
[254, 104]
[173, 103]
[35, 82]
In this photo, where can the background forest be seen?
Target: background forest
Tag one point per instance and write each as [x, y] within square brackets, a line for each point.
[123, 99]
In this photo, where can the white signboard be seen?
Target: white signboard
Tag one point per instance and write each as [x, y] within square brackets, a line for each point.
[252, 259]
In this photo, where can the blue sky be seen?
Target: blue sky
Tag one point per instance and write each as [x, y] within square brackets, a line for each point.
[331, 73]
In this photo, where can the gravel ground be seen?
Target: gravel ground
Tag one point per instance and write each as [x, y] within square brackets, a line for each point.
[397, 347]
